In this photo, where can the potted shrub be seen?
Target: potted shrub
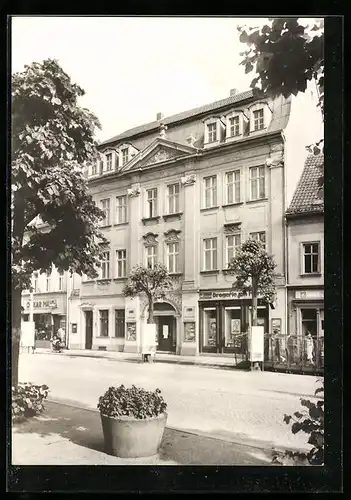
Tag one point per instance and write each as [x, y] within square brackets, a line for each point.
[133, 421]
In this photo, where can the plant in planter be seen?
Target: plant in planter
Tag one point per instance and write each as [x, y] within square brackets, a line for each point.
[133, 421]
[27, 400]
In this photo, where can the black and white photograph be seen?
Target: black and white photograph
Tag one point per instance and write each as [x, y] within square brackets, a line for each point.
[167, 241]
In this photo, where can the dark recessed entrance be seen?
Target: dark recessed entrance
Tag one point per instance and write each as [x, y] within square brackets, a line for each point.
[166, 327]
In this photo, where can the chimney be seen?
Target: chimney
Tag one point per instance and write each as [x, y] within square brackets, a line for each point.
[191, 140]
[159, 116]
[232, 92]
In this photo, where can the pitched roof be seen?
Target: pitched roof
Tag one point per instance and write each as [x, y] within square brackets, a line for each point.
[181, 116]
[306, 199]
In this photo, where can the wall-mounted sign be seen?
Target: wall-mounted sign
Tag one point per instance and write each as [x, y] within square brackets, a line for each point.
[189, 332]
[188, 312]
[43, 304]
[276, 326]
[131, 332]
[309, 294]
[130, 313]
[74, 327]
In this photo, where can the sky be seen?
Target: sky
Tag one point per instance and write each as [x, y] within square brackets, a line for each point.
[134, 67]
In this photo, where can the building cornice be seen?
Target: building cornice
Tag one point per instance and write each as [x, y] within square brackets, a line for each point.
[200, 153]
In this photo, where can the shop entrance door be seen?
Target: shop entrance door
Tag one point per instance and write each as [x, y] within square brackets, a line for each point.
[88, 329]
[165, 331]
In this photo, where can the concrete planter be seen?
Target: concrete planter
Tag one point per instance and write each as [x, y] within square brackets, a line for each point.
[129, 437]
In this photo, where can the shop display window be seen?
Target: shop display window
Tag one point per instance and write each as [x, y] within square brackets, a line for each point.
[209, 326]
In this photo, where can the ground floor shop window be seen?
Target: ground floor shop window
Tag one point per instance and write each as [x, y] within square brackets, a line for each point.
[44, 326]
[232, 326]
[209, 326]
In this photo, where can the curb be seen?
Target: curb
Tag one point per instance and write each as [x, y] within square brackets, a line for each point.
[225, 366]
[238, 441]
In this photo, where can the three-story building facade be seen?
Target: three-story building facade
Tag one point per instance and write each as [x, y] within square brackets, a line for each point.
[186, 191]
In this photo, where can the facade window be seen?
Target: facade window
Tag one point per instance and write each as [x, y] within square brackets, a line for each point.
[35, 282]
[212, 132]
[109, 162]
[105, 265]
[173, 198]
[151, 256]
[121, 261]
[125, 156]
[48, 279]
[233, 186]
[258, 118]
[259, 236]
[234, 126]
[173, 257]
[94, 169]
[257, 183]
[210, 254]
[232, 243]
[311, 258]
[105, 207]
[104, 323]
[210, 188]
[119, 323]
[121, 209]
[151, 202]
[60, 283]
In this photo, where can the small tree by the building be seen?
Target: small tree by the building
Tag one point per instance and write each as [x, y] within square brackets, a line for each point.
[254, 274]
[153, 283]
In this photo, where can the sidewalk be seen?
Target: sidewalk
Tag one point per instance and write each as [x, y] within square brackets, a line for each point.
[66, 435]
[225, 362]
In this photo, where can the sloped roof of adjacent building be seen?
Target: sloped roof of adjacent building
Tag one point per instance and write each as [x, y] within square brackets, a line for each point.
[306, 198]
[181, 116]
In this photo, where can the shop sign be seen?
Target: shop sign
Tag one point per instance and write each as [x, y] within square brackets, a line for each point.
[130, 313]
[309, 294]
[209, 295]
[42, 304]
[189, 312]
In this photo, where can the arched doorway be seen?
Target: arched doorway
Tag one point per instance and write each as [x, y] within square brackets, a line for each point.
[166, 326]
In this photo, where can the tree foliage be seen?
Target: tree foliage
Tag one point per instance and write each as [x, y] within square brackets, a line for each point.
[285, 55]
[52, 143]
[153, 283]
[310, 421]
[254, 273]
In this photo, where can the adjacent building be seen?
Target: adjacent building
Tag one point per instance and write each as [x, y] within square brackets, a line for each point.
[305, 283]
[186, 191]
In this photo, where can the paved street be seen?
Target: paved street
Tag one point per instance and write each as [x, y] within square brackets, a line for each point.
[245, 407]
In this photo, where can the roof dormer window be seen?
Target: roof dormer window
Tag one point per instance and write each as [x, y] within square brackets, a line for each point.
[260, 116]
[234, 126]
[212, 132]
[258, 119]
[108, 162]
[125, 155]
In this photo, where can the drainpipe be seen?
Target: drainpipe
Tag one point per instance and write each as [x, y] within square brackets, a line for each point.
[286, 271]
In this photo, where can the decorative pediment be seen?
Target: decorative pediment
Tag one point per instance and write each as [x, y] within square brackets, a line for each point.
[150, 239]
[172, 236]
[159, 151]
[233, 227]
